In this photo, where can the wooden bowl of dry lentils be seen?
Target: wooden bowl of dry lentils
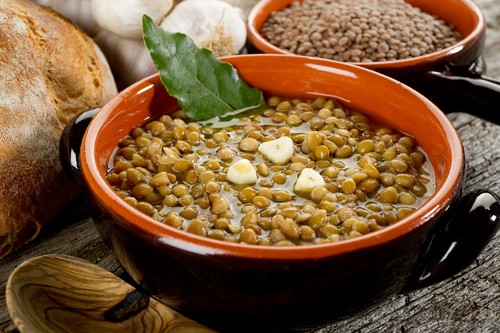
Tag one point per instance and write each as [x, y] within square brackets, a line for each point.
[320, 205]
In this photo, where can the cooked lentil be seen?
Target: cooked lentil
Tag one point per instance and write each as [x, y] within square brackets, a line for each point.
[358, 31]
[373, 176]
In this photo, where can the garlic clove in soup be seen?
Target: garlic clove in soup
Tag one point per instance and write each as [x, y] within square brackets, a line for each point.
[307, 181]
[241, 172]
[277, 151]
[124, 17]
[211, 24]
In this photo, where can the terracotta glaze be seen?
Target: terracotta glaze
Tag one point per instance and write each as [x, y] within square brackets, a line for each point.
[452, 78]
[262, 288]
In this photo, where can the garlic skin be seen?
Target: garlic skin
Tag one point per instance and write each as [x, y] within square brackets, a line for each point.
[78, 11]
[128, 58]
[124, 17]
[212, 24]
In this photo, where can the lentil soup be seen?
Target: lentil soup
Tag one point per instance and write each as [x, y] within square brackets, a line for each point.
[301, 172]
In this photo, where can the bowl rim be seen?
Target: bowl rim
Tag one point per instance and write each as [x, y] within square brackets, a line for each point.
[256, 39]
[161, 233]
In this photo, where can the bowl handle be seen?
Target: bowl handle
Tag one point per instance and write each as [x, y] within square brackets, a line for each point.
[461, 90]
[70, 142]
[470, 226]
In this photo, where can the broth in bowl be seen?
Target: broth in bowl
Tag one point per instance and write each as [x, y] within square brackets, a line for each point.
[300, 172]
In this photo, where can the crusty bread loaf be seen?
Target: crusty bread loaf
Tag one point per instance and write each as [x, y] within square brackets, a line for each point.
[50, 71]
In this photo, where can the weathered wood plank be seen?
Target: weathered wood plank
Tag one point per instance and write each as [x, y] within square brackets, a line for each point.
[491, 10]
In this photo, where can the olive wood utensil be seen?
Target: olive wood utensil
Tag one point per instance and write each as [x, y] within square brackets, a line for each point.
[59, 293]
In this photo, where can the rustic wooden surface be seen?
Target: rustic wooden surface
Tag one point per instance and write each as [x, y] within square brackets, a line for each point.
[469, 302]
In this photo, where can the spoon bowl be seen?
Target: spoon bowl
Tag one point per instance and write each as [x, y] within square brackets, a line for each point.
[59, 293]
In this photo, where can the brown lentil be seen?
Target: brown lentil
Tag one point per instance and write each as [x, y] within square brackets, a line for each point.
[358, 31]
[374, 176]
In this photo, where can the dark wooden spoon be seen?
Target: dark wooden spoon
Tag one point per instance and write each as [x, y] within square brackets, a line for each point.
[58, 293]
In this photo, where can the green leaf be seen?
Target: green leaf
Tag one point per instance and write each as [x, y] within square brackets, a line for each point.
[204, 86]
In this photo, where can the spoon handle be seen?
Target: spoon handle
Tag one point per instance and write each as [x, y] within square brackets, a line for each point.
[58, 293]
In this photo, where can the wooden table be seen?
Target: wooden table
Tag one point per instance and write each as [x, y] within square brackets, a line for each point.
[469, 302]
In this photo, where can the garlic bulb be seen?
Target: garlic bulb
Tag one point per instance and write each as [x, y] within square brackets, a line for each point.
[124, 17]
[212, 24]
[128, 58]
[78, 11]
[244, 5]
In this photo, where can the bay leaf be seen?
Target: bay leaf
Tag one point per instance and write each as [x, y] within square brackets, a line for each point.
[204, 86]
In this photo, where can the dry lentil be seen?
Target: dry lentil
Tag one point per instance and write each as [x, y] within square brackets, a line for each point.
[358, 31]
[373, 175]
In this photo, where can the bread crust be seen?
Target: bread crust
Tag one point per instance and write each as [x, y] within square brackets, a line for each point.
[50, 72]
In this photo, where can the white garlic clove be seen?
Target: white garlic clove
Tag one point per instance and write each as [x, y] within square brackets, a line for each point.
[307, 181]
[277, 151]
[124, 17]
[211, 24]
[241, 172]
[129, 59]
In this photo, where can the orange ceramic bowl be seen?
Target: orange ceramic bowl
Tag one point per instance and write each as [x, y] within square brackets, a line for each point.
[263, 287]
[464, 15]
[450, 77]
